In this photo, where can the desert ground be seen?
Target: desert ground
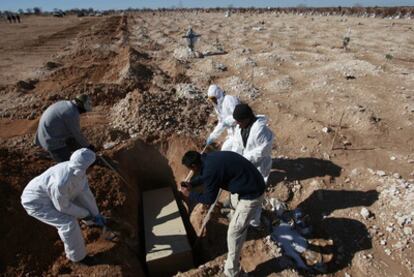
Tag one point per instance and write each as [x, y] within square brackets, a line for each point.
[343, 121]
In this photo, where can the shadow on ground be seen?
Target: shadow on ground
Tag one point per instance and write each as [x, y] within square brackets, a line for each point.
[301, 169]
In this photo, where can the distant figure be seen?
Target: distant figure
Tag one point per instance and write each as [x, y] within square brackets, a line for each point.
[9, 19]
[13, 18]
[18, 18]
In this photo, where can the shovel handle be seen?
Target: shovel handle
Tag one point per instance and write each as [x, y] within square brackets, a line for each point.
[113, 168]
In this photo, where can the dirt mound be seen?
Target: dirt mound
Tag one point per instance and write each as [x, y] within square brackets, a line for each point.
[94, 64]
[17, 169]
[159, 114]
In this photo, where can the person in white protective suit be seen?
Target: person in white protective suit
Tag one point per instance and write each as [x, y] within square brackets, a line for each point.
[253, 140]
[224, 106]
[60, 196]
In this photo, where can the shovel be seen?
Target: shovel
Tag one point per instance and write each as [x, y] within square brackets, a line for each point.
[208, 215]
[106, 162]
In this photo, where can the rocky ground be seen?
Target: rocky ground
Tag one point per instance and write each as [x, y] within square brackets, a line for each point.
[343, 120]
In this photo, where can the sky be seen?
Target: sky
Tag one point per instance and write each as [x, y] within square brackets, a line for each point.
[14, 5]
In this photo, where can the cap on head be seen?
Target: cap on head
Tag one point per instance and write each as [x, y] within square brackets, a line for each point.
[242, 111]
[215, 91]
[84, 102]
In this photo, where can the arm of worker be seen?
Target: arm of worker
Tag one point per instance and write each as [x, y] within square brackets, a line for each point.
[73, 124]
[263, 147]
[211, 181]
[229, 121]
[196, 181]
[218, 130]
[62, 203]
[87, 200]
[229, 104]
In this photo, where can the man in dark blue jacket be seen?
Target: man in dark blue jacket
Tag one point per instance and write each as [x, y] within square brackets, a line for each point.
[234, 173]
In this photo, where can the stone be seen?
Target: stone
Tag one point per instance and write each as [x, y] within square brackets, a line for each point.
[408, 231]
[396, 175]
[401, 220]
[383, 242]
[221, 67]
[392, 158]
[109, 145]
[282, 192]
[381, 173]
[326, 129]
[365, 213]
[398, 245]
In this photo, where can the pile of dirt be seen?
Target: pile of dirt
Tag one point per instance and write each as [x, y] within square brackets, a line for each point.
[93, 64]
[393, 214]
[159, 114]
[17, 169]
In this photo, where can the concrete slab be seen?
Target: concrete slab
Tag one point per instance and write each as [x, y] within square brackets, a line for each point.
[167, 248]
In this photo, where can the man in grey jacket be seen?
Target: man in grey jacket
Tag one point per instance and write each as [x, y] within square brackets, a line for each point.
[59, 130]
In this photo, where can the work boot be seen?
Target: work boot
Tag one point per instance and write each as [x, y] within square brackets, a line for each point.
[89, 261]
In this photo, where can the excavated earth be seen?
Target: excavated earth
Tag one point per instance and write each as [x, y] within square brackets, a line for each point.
[343, 120]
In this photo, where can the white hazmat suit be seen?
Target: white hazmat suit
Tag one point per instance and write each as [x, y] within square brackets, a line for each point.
[258, 151]
[224, 110]
[258, 148]
[60, 196]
